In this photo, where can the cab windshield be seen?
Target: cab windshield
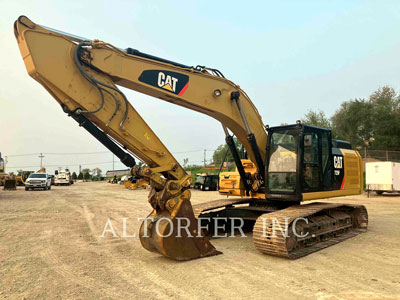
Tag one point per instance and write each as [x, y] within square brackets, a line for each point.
[200, 179]
[283, 161]
[37, 176]
[213, 180]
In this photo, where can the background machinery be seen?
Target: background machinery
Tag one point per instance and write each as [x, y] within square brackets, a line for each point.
[206, 182]
[230, 183]
[133, 183]
[9, 182]
[2, 174]
[295, 163]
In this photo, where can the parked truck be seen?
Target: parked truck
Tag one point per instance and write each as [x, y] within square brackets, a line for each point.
[63, 177]
[38, 180]
[383, 176]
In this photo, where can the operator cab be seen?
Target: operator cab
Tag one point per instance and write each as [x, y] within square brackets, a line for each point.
[299, 160]
[206, 182]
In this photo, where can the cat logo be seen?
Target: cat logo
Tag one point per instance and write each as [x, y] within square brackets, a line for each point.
[338, 162]
[173, 82]
[167, 82]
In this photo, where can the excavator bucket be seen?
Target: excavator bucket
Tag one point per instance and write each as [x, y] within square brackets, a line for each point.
[177, 235]
[10, 184]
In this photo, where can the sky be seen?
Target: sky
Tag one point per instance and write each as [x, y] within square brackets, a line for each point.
[289, 56]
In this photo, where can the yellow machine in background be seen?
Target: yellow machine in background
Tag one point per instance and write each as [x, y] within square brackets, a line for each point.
[8, 181]
[20, 180]
[206, 182]
[136, 183]
[230, 183]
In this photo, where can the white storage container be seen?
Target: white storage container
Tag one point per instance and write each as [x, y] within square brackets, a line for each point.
[382, 176]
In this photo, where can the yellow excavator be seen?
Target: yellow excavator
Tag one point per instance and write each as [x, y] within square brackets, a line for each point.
[134, 183]
[9, 182]
[295, 163]
[230, 183]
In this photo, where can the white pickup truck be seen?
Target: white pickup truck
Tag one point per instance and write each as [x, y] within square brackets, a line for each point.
[38, 181]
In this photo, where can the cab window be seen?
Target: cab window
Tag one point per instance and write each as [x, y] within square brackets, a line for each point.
[311, 166]
[283, 161]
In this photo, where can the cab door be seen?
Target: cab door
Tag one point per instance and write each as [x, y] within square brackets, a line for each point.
[316, 164]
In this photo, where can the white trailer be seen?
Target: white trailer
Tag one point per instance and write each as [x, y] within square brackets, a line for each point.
[382, 177]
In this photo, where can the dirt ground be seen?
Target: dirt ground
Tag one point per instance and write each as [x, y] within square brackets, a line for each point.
[51, 248]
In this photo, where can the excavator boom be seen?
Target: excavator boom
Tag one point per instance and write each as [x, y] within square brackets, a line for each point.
[82, 75]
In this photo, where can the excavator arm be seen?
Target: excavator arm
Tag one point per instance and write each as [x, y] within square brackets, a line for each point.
[84, 75]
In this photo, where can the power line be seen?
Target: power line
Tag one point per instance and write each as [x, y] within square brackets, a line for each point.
[58, 153]
[28, 154]
[74, 165]
[78, 153]
[92, 153]
[192, 151]
[86, 153]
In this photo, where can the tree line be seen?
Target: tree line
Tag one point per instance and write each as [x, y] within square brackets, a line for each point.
[372, 123]
[87, 174]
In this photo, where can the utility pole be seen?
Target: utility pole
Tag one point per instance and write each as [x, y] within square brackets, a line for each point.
[205, 151]
[80, 169]
[41, 160]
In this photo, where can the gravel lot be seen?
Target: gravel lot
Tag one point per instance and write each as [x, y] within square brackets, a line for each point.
[51, 248]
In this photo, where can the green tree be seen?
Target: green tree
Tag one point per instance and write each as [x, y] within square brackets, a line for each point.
[218, 156]
[317, 118]
[80, 176]
[353, 122]
[86, 176]
[86, 170]
[96, 172]
[372, 123]
[385, 104]
[74, 176]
